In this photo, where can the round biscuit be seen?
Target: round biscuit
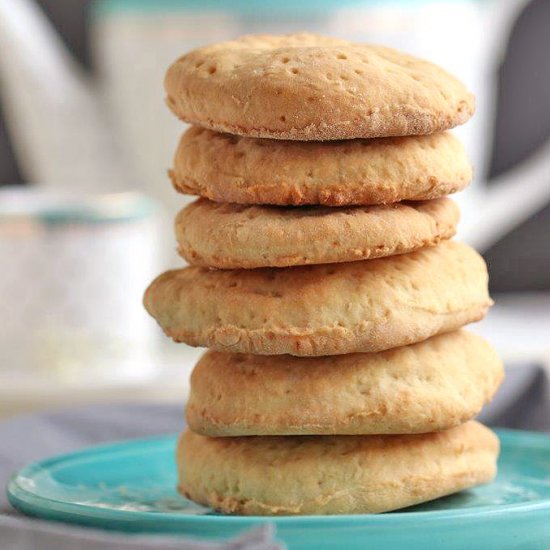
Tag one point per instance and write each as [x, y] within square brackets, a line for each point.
[430, 386]
[232, 236]
[227, 168]
[311, 87]
[346, 474]
[325, 309]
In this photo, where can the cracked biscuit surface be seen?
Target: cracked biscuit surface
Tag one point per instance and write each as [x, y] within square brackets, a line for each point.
[310, 87]
[227, 168]
[327, 309]
[230, 236]
[346, 474]
[430, 386]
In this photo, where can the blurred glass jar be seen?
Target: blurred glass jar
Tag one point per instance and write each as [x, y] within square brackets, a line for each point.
[73, 274]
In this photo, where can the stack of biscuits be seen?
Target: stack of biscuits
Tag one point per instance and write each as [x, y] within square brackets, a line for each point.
[339, 379]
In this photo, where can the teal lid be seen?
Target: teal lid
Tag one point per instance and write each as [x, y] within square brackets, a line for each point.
[241, 7]
[52, 207]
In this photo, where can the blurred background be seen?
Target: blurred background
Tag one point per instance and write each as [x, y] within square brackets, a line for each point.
[86, 208]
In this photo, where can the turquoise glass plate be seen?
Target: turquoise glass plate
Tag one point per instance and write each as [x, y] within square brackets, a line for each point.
[131, 487]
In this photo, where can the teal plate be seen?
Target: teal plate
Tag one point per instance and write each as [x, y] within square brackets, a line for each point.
[131, 487]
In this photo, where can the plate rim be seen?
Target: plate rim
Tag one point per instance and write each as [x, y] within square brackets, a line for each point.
[29, 502]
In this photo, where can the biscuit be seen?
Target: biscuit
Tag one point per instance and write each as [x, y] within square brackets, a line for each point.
[430, 386]
[310, 87]
[230, 236]
[228, 168]
[342, 474]
[325, 309]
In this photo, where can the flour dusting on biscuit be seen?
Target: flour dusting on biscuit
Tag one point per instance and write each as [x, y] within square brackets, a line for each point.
[310, 87]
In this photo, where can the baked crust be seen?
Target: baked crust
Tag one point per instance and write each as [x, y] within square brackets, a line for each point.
[227, 168]
[311, 87]
[232, 236]
[333, 474]
[331, 309]
[430, 386]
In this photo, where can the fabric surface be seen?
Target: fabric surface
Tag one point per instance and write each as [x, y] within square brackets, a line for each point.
[34, 437]
[523, 402]
[17, 534]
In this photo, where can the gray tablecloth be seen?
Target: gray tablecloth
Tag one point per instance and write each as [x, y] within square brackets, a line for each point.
[522, 402]
[33, 437]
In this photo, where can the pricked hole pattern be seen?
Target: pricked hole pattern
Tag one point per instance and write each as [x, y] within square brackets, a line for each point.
[212, 70]
[341, 56]
[295, 71]
[285, 60]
